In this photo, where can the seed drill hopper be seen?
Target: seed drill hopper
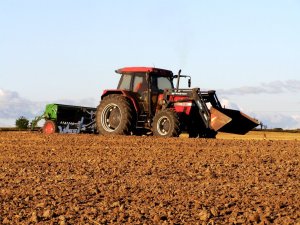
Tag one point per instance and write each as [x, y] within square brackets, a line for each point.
[61, 118]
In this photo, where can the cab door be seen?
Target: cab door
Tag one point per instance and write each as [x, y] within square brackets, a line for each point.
[140, 90]
[155, 92]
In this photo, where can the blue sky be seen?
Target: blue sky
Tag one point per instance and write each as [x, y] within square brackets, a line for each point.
[67, 51]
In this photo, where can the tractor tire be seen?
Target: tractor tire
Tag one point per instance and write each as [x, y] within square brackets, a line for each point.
[114, 116]
[166, 124]
[49, 127]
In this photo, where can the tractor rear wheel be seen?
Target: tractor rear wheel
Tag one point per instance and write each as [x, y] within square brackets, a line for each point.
[166, 124]
[114, 116]
[49, 127]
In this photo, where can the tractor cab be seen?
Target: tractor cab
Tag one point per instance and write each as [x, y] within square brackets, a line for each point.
[146, 84]
[140, 79]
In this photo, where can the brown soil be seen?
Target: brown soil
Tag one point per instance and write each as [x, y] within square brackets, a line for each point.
[90, 179]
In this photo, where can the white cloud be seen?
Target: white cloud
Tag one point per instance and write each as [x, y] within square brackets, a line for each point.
[1, 93]
[12, 106]
[88, 102]
[229, 104]
[274, 87]
[7, 122]
[270, 119]
[280, 120]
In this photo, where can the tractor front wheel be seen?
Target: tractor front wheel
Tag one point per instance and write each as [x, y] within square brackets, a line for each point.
[166, 124]
[114, 116]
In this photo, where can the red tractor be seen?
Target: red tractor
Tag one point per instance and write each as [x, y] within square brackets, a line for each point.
[146, 101]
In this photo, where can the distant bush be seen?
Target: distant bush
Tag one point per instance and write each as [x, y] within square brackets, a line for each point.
[22, 123]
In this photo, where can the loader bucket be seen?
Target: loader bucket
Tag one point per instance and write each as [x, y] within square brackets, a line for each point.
[240, 123]
[218, 119]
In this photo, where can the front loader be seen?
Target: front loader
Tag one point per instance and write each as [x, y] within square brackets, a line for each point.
[146, 101]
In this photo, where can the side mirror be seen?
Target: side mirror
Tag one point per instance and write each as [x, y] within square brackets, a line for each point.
[189, 82]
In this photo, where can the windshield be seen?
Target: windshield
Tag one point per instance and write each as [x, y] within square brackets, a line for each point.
[125, 81]
[161, 83]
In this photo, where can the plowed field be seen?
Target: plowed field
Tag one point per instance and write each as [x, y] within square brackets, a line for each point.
[90, 179]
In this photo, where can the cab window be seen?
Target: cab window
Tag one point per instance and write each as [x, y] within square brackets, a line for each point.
[139, 84]
[125, 82]
[161, 83]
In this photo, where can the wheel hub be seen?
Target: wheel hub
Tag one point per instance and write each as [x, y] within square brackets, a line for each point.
[114, 118]
[163, 125]
[111, 117]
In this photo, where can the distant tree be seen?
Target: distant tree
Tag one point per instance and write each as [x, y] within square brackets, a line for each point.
[262, 126]
[22, 123]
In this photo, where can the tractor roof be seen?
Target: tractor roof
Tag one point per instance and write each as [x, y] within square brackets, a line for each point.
[160, 72]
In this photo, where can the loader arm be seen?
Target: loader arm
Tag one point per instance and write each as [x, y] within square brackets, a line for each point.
[190, 95]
